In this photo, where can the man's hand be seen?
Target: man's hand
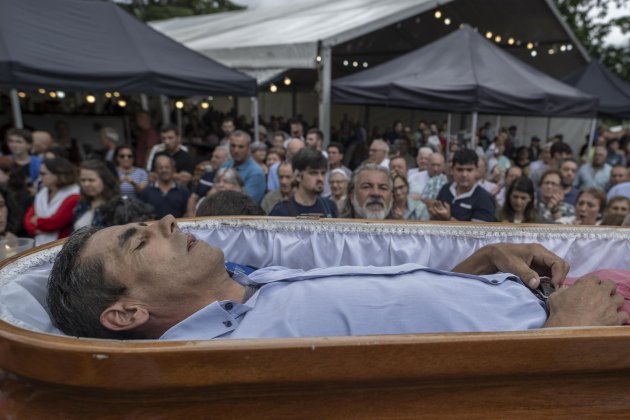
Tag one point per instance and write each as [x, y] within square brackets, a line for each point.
[440, 211]
[527, 261]
[589, 302]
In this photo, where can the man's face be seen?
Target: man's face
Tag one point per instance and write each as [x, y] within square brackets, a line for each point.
[41, 142]
[158, 264]
[219, 156]
[619, 207]
[313, 141]
[618, 175]
[227, 127]
[164, 169]
[377, 152]
[465, 176]
[17, 145]
[600, 156]
[436, 165]
[297, 130]
[334, 157]
[399, 165]
[171, 141]
[545, 155]
[512, 173]
[372, 197]
[239, 148]
[278, 141]
[286, 178]
[550, 185]
[569, 172]
[423, 159]
[312, 180]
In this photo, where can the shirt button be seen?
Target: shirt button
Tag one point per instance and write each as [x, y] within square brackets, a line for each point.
[229, 306]
[494, 281]
[227, 323]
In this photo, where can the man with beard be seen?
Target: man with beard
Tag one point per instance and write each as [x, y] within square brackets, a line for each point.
[370, 192]
[310, 169]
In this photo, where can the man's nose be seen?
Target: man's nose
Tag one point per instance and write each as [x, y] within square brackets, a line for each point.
[167, 225]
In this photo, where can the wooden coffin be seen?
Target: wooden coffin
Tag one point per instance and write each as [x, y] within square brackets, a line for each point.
[560, 373]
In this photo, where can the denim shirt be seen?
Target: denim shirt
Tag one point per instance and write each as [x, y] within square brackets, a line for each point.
[345, 301]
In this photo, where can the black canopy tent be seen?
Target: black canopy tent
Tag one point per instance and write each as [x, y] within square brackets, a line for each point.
[463, 72]
[597, 80]
[87, 45]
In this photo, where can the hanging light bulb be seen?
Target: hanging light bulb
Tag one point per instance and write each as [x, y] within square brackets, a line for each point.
[530, 45]
[355, 64]
[90, 99]
[365, 64]
[61, 94]
[122, 103]
[108, 95]
[273, 88]
[41, 91]
[563, 48]
[511, 41]
[437, 14]
[488, 34]
[447, 21]
[116, 94]
[287, 81]
[534, 53]
[497, 39]
[22, 95]
[52, 94]
[205, 105]
[179, 104]
[345, 63]
[318, 59]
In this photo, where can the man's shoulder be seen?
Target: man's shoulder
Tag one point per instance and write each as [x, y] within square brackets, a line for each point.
[445, 192]
[280, 209]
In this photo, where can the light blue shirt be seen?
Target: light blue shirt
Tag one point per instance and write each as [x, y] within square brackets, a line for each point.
[346, 301]
[587, 178]
[253, 177]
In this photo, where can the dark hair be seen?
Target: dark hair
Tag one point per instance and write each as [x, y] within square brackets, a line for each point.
[79, 290]
[20, 132]
[13, 219]
[111, 183]
[229, 203]
[525, 185]
[59, 152]
[124, 146]
[598, 193]
[560, 147]
[309, 158]
[121, 210]
[319, 133]
[465, 157]
[169, 127]
[65, 171]
[282, 154]
[336, 145]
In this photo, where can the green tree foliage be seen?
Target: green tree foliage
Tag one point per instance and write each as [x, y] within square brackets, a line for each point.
[149, 10]
[588, 20]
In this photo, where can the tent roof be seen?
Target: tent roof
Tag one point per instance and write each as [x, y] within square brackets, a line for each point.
[463, 72]
[96, 46]
[275, 39]
[597, 80]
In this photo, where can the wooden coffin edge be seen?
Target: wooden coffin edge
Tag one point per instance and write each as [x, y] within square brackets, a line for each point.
[156, 365]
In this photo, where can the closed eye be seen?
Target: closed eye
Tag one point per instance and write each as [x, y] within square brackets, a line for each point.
[140, 245]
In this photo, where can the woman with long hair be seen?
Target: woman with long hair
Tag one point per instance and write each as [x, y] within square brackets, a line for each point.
[404, 207]
[519, 204]
[50, 216]
[9, 224]
[98, 186]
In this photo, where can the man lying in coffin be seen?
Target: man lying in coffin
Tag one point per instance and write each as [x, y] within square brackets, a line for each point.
[141, 281]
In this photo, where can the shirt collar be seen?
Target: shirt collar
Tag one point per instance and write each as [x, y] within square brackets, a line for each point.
[453, 189]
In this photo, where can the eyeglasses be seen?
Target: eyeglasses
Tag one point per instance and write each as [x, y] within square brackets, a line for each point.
[551, 184]
[125, 156]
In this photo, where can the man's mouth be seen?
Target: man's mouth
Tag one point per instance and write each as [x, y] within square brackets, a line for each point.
[191, 241]
[375, 205]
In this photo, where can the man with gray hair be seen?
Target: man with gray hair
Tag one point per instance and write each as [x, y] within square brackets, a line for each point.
[595, 174]
[379, 153]
[252, 174]
[371, 192]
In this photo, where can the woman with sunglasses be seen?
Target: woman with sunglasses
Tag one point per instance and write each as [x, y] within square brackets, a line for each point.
[132, 179]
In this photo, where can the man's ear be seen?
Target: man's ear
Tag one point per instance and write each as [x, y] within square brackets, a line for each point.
[124, 316]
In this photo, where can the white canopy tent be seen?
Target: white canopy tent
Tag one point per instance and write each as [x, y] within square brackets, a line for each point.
[266, 42]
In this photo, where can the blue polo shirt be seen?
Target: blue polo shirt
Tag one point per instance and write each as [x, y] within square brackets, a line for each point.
[253, 177]
[340, 301]
[173, 202]
[476, 205]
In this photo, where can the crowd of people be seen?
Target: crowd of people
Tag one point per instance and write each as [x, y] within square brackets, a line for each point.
[50, 187]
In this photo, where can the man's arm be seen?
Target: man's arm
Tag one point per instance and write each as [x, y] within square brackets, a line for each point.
[527, 261]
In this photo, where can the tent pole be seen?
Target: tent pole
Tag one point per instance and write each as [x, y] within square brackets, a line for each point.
[179, 122]
[591, 137]
[324, 96]
[473, 130]
[255, 117]
[548, 129]
[448, 135]
[17, 111]
[166, 111]
[144, 102]
[498, 124]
